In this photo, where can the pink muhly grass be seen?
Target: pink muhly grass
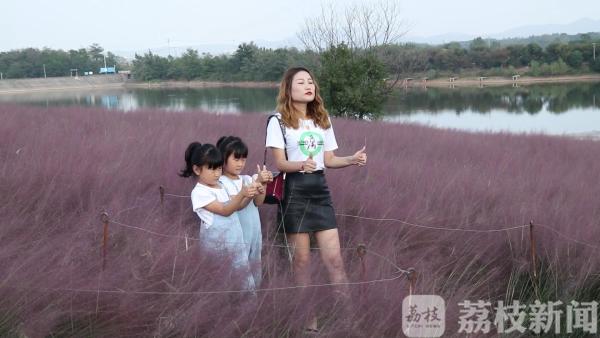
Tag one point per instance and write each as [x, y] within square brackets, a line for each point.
[62, 167]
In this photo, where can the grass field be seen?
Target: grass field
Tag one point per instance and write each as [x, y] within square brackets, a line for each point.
[430, 199]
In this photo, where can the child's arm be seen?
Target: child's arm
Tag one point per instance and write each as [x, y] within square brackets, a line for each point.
[263, 176]
[247, 200]
[235, 204]
[259, 199]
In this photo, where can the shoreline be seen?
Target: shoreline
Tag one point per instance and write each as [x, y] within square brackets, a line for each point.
[201, 84]
[495, 81]
[25, 86]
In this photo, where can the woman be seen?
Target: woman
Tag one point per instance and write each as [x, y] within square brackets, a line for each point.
[303, 153]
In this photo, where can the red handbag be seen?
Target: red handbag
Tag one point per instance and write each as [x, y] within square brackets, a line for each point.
[274, 190]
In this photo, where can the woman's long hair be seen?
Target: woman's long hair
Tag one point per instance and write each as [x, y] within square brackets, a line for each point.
[315, 109]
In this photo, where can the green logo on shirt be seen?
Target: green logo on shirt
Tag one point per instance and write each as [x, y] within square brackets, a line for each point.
[311, 143]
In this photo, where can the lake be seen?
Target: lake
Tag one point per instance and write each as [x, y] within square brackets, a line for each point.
[572, 108]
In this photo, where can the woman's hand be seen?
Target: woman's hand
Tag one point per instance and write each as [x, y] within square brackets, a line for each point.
[360, 157]
[309, 165]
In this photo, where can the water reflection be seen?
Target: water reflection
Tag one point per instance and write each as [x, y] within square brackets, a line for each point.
[553, 98]
[551, 108]
[219, 100]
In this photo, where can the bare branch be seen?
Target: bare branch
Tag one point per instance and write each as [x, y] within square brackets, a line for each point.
[363, 27]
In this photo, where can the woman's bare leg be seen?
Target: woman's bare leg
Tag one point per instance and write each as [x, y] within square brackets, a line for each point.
[300, 245]
[329, 247]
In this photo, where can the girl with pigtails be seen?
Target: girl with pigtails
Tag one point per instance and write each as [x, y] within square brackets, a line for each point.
[220, 229]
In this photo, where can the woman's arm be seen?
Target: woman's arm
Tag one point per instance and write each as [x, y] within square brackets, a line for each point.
[331, 161]
[292, 166]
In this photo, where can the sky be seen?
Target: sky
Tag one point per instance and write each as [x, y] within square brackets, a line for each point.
[147, 24]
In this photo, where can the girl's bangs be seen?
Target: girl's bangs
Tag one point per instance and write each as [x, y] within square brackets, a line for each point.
[239, 150]
[214, 159]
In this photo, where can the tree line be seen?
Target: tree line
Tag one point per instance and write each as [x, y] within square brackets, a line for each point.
[32, 62]
[247, 63]
[252, 63]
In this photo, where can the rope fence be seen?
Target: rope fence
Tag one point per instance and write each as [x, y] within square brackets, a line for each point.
[361, 250]
[397, 276]
[395, 220]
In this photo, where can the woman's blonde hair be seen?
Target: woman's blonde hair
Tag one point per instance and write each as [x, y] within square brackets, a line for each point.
[315, 110]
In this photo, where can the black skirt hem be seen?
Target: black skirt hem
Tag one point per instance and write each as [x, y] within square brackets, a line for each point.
[307, 205]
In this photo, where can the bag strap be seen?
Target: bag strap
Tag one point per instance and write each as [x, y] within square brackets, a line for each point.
[282, 127]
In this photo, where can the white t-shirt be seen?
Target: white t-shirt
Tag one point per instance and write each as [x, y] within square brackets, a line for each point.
[202, 196]
[306, 140]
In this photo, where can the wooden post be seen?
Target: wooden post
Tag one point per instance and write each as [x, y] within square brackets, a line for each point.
[361, 251]
[412, 279]
[532, 246]
[452, 82]
[105, 220]
[162, 194]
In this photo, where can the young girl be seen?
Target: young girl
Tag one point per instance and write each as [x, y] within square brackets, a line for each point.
[304, 151]
[220, 228]
[235, 153]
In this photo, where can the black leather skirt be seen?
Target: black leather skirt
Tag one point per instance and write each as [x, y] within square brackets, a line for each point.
[307, 205]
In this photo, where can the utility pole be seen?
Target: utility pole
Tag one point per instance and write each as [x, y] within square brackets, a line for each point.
[44, 70]
[1, 76]
[594, 44]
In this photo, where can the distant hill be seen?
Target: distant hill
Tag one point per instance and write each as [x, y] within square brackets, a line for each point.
[214, 49]
[580, 26]
[541, 40]
[540, 34]
[546, 39]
